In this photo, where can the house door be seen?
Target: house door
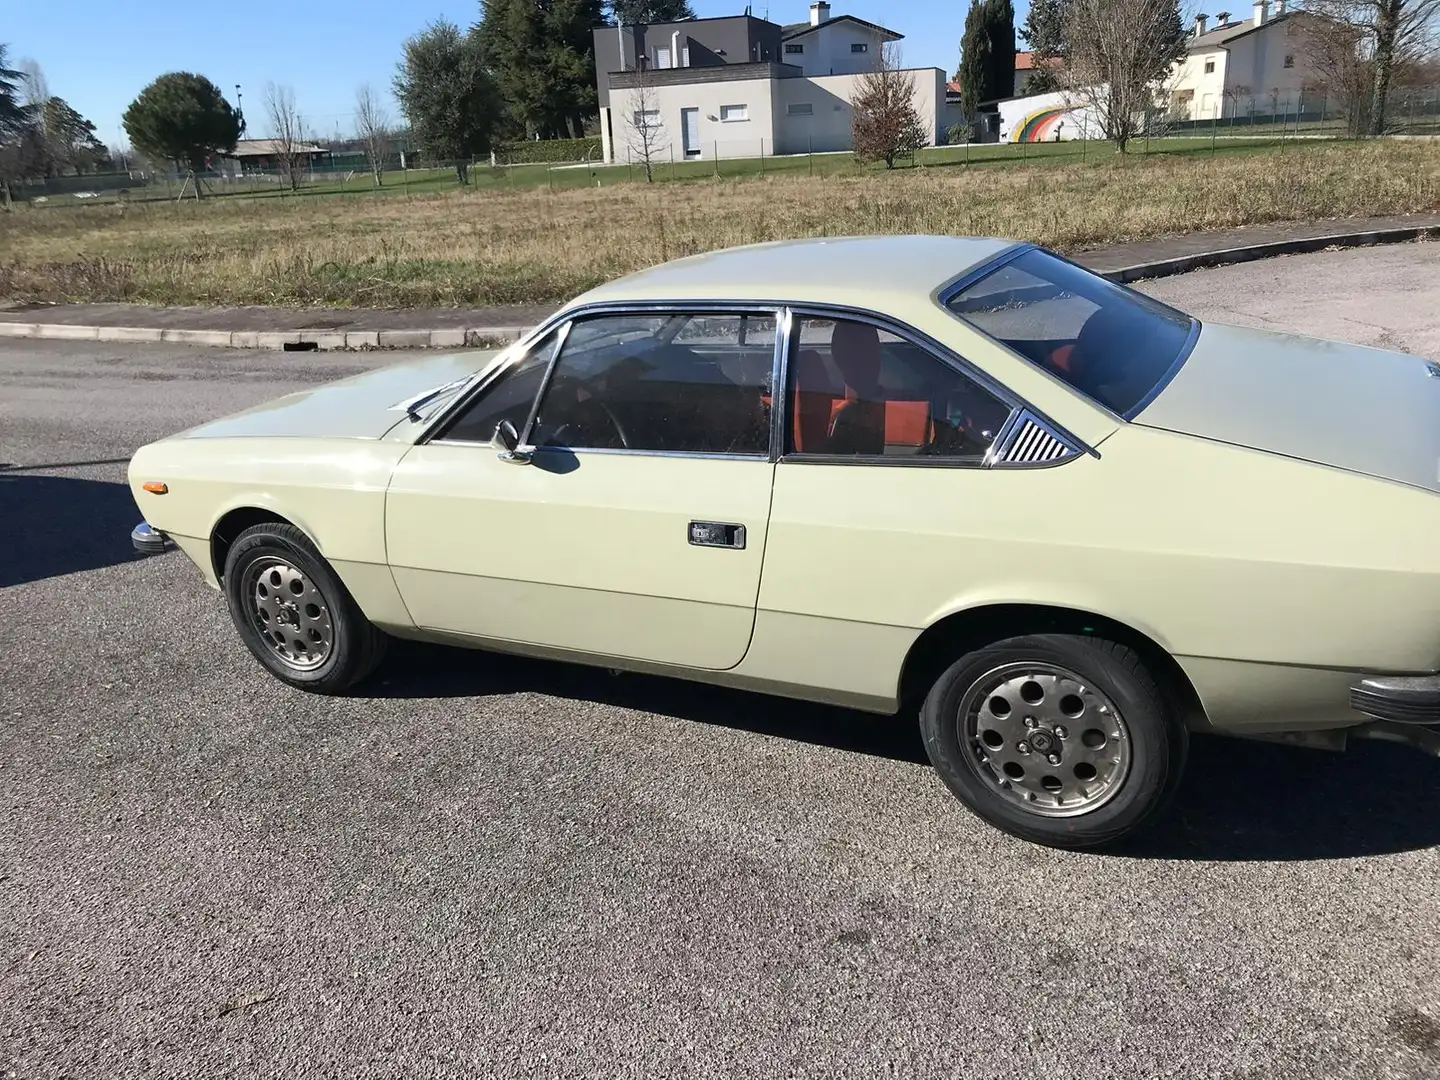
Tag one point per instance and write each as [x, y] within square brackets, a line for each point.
[690, 127]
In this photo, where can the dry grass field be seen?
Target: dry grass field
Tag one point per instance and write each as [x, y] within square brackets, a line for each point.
[490, 247]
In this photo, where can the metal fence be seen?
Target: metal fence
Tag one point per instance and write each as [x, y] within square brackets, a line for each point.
[1410, 110]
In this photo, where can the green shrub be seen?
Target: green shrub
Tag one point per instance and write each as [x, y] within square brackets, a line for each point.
[547, 151]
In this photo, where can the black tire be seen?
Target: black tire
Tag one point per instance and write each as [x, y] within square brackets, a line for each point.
[1157, 740]
[355, 646]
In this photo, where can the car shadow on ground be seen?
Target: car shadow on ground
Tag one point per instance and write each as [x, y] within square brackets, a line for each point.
[1241, 799]
[62, 524]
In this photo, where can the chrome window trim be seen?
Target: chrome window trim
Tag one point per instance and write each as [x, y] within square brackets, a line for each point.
[784, 313]
[945, 294]
[945, 355]
[566, 319]
[784, 323]
[483, 380]
[563, 335]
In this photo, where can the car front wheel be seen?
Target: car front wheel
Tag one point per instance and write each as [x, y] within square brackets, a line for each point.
[1062, 740]
[294, 613]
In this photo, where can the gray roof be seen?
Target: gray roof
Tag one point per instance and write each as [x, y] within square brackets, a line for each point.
[1230, 31]
[270, 147]
[795, 30]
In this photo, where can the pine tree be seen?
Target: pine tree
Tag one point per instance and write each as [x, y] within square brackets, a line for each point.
[1044, 32]
[1000, 26]
[641, 12]
[976, 62]
[541, 54]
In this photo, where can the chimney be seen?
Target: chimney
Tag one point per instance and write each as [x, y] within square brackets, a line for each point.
[675, 49]
[1200, 24]
[1262, 11]
[1223, 19]
[819, 12]
[1279, 8]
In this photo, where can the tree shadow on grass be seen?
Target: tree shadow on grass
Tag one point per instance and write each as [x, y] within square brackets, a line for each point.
[1241, 800]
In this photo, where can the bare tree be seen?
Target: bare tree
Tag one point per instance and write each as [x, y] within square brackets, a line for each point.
[287, 132]
[646, 131]
[886, 125]
[372, 128]
[1384, 35]
[1120, 53]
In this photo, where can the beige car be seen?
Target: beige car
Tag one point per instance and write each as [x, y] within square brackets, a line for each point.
[1064, 522]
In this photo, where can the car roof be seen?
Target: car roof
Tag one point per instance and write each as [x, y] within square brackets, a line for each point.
[853, 271]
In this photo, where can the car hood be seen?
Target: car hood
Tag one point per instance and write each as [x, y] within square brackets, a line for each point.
[1365, 410]
[363, 406]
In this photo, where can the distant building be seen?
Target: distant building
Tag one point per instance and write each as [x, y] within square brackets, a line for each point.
[1244, 67]
[263, 155]
[742, 87]
[1026, 64]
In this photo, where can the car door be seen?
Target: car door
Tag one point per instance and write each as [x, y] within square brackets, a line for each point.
[630, 520]
[879, 498]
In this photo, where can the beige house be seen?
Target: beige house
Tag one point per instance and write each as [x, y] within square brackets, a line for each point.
[1257, 66]
[743, 87]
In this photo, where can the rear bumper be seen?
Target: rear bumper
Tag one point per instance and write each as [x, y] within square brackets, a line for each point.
[148, 540]
[1399, 699]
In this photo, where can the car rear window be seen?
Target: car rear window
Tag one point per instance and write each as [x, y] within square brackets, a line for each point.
[1114, 345]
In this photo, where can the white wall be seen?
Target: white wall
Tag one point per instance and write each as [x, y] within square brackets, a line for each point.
[1208, 89]
[727, 139]
[1062, 118]
[771, 127]
[1249, 66]
[829, 127]
[827, 49]
[1257, 66]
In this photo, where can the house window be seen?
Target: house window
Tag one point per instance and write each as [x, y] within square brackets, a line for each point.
[800, 108]
[1289, 61]
[1209, 67]
[650, 118]
[730, 114]
[859, 46]
[662, 58]
[794, 50]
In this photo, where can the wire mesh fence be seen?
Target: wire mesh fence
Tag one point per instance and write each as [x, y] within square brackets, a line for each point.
[1239, 122]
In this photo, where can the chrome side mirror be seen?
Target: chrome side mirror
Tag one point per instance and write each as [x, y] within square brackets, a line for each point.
[506, 439]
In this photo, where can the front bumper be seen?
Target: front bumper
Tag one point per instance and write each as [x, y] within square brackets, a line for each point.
[148, 540]
[1399, 699]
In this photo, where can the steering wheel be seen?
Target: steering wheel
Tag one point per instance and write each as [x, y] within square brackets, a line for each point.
[578, 421]
[615, 423]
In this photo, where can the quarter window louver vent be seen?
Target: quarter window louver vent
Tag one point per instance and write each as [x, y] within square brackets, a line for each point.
[1032, 443]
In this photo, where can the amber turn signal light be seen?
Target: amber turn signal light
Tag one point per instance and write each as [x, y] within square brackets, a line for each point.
[156, 489]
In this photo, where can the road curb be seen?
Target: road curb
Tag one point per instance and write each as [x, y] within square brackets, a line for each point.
[474, 337]
[489, 336]
[1204, 260]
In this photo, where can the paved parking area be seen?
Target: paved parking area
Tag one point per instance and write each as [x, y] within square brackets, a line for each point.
[485, 866]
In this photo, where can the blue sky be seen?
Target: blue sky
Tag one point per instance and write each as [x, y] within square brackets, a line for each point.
[98, 54]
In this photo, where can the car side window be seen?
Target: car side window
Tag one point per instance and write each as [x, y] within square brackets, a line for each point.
[856, 390]
[674, 383]
[509, 397]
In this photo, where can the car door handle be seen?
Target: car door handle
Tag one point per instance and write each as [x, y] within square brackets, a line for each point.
[716, 534]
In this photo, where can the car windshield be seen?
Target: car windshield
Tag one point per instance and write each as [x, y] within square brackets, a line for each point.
[1112, 344]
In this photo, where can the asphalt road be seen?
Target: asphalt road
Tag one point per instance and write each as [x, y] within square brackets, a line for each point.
[492, 867]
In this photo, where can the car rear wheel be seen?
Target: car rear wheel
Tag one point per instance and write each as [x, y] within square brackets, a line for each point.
[1062, 740]
[294, 614]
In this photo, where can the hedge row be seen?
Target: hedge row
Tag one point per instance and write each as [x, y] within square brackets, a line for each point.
[547, 151]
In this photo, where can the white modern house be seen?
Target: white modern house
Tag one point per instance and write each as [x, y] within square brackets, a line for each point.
[1240, 67]
[744, 87]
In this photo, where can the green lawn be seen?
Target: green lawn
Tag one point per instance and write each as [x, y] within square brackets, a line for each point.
[417, 182]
